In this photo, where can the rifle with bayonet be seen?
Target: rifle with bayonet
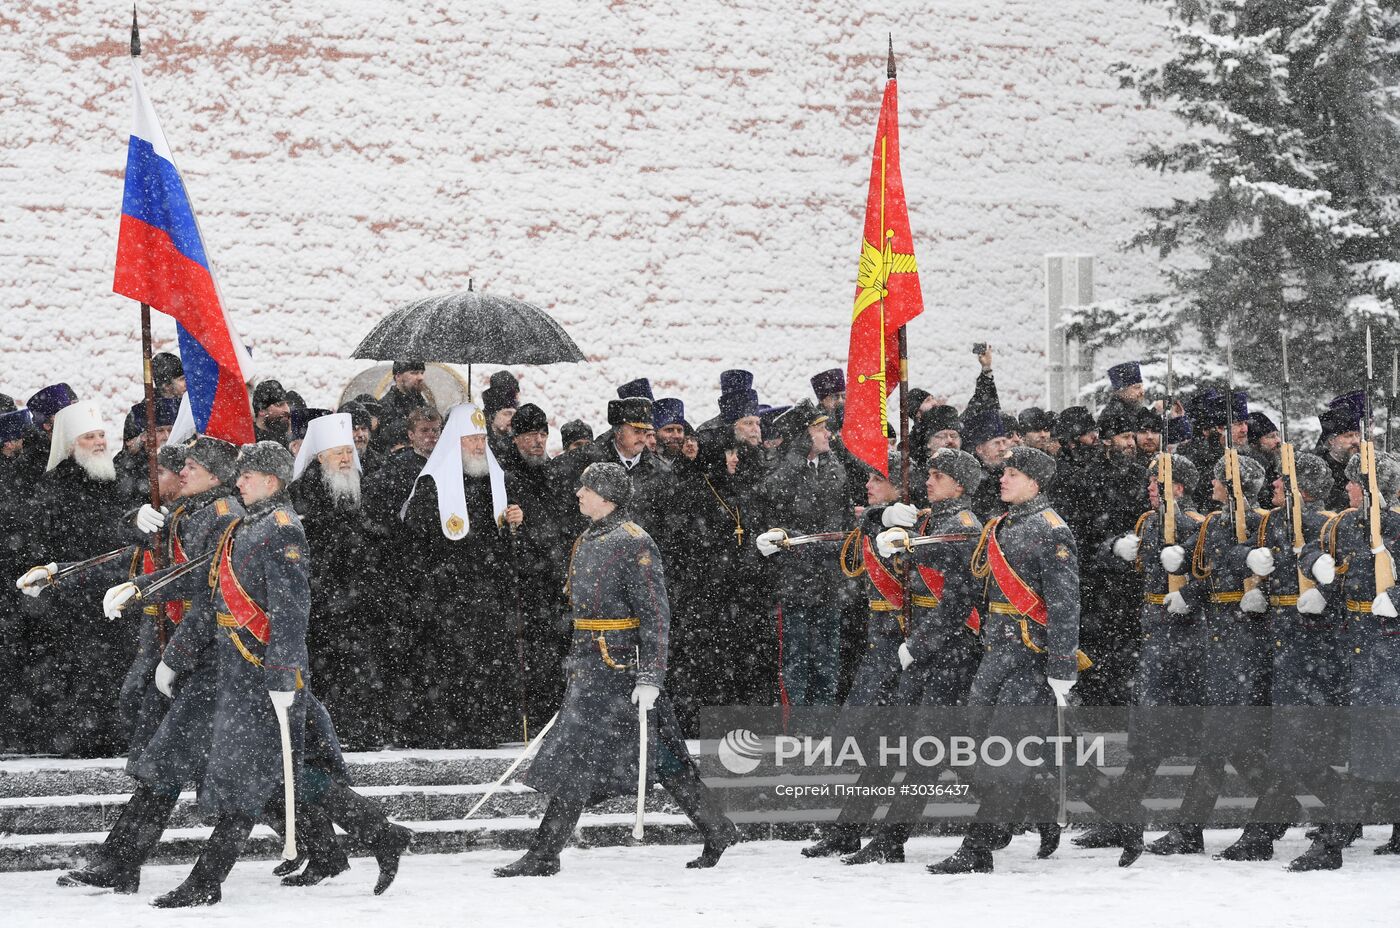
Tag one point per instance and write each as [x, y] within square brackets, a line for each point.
[1175, 582]
[1288, 467]
[1235, 509]
[1385, 567]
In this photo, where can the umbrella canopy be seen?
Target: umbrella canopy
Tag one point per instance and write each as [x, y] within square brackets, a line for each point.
[469, 327]
[443, 387]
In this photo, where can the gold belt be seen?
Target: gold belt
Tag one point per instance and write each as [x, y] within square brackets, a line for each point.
[1283, 600]
[1155, 599]
[882, 605]
[1356, 606]
[927, 602]
[229, 622]
[1004, 609]
[1234, 597]
[918, 599]
[605, 625]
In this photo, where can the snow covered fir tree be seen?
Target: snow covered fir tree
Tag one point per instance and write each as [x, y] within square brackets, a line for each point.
[1287, 219]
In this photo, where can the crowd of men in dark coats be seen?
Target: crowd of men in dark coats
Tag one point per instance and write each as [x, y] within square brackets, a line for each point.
[421, 640]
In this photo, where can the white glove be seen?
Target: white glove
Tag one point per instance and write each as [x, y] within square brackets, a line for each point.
[1261, 561]
[282, 699]
[35, 579]
[901, 515]
[906, 657]
[644, 695]
[1176, 604]
[1324, 569]
[165, 679]
[1127, 547]
[149, 519]
[892, 541]
[1173, 556]
[1061, 688]
[117, 597]
[768, 542]
[1254, 601]
[1382, 605]
[1312, 602]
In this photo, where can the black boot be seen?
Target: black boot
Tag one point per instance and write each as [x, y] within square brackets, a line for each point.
[1393, 845]
[388, 846]
[967, 859]
[1182, 839]
[288, 867]
[542, 859]
[1326, 850]
[142, 822]
[1099, 836]
[1257, 843]
[1049, 839]
[363, 818]
[215, 861]
[699, 804]
[887, 847]
[1131, 838]
[105, 874]
[834, 841]
[316, 836]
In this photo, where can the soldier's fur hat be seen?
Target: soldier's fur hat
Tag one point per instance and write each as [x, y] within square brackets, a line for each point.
[171, 457]
[1251, 474]
[610, 481]
[959, 465]
[1184, 471]
[266, 457]
[1032, 462]
[1314, 476]
[217, 456]
[1387, 474]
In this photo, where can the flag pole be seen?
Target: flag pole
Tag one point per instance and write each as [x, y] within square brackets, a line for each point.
[906, 607]
[152, 469]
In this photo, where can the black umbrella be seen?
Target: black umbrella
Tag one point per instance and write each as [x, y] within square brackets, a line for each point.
[469, 327]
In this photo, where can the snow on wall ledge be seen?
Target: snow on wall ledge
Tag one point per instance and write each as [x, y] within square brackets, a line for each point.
[679, 183]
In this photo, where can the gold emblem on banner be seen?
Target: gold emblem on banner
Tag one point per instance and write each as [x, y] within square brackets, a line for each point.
[455, 524]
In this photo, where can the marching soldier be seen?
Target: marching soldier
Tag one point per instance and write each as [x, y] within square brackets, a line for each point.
[616, 667]
[1030, 633]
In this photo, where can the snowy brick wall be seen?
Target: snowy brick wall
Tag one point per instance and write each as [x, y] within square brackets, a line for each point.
[679, 183]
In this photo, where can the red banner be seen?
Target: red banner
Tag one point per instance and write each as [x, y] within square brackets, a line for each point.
[887, 297]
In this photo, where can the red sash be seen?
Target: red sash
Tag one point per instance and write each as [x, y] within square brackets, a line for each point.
[885, 582]
[1026, 600]
[248, 614]
[175, 609]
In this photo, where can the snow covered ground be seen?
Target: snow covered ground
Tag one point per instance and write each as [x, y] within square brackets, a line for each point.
[763, 884]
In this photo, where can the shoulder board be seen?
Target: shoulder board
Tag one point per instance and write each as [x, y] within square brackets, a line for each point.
[633, 529]
[967, 518]
[221, 507]
[282, 517]
[1195, 516]
[1052, 517]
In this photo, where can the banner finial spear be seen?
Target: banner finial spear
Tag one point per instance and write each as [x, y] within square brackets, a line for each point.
[135, 35]
[889, 67]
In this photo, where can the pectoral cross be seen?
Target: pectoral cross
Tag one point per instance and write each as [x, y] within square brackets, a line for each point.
[738, 534]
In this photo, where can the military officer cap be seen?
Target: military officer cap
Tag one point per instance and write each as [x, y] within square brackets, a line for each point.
[1073, 422]
[1124, 375]
[216, 456]
[266, 457]
[1032, 462]
[1251, 474]
[768, 417]
[959, 465]
[1314, 476]
[1036, 419]
[983, 427]
[639, 387]
[529, 418]
[409, 366]
[15, 425]
[573, 430]
[610, 481]
[634, 411]
[829, 383]
[46, 403]
[1184, 471]
[1387, 474]
[795, 420]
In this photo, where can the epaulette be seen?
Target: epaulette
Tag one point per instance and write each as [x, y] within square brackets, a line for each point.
[633, 529]
[282, 517]
[967, 518]
[1052, 517]
[221, 507]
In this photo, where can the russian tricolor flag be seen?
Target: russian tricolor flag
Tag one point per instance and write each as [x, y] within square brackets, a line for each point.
[161, 261]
